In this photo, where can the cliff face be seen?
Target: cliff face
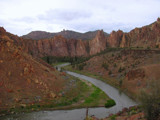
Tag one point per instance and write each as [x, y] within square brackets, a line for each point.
[98, 44]
[60, 46]
[56, 46]
[147, 36]
[114, 39]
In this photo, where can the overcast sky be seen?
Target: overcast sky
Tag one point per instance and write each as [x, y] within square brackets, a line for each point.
[22, 16]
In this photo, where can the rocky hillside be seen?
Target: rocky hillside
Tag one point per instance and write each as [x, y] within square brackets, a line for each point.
[37, 35]
[68, 34]
[147, 37]
[130, 69]
[24, 80]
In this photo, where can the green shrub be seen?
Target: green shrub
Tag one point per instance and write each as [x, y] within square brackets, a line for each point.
[105, 65]
[110, 72]
[150, 101]
[157, 46]
[113, 117]
[148, 48]
[120, 82]
[132, 112]
[110, 103]
[121, 69]
[81, 66]
[133, 65]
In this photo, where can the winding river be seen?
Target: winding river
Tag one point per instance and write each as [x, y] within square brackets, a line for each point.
[121, 100]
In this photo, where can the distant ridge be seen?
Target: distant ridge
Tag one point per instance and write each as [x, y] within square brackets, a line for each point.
[36, 35]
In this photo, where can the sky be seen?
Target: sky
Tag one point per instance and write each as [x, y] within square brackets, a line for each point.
[23, 16]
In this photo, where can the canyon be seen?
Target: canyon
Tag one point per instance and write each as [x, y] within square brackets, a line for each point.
[60, 45]
[25, 78]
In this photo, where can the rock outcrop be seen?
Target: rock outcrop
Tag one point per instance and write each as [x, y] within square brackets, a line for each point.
[115, 38]
[98, 44]
[145, 37]
[2, 31]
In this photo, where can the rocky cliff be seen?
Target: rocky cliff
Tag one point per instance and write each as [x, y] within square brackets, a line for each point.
[98, 44]
[145, 37]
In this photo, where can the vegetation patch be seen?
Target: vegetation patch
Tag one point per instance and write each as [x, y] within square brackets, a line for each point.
[105, 65]
[95, 97]
[110, 81]
[110, 103]
[150, 100]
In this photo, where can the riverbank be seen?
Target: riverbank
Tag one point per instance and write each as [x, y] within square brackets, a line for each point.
[132, 113]
[121, 100]
[110, 81]
[78, 93]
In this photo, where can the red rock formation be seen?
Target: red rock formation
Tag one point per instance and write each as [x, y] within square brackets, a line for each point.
[56, 46]
[2, 31]
[147, 36]
[81, 48]
[115, 38]
[125, 42]
[72, 47]
[98, 44]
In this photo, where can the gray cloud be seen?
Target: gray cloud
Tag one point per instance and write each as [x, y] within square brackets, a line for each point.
[105, 26]
[25, 19]
[64, 15]
[78, 15]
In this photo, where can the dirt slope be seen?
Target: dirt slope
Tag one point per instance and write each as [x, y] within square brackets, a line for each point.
[23, 80]
[131, 68]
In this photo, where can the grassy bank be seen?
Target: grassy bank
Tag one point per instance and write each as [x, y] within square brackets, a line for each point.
[110, 81]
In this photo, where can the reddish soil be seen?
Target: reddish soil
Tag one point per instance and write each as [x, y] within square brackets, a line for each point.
[134, 67]
[24, 79]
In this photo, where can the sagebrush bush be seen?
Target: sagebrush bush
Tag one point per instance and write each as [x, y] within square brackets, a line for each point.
[150, 101]
[105, 65]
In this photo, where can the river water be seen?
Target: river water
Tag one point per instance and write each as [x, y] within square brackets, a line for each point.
[121, 100]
